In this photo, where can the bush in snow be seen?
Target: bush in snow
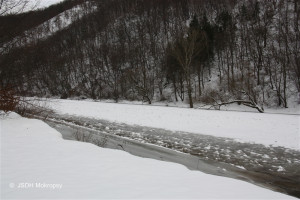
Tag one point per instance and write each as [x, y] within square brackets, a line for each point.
[8, 101]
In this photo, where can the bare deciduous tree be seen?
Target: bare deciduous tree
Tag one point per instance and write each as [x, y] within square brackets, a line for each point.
[185, 50]
[16, 6]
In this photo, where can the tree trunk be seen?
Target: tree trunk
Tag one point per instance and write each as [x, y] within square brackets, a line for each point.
[189, 87]
[175, 89]
[190, 97]
[199, 82]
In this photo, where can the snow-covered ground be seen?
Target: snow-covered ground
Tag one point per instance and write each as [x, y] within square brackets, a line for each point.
[268, 129]
[294, 106]
[37, 163]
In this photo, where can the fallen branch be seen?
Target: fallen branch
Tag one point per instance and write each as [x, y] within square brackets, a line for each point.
[250, 103]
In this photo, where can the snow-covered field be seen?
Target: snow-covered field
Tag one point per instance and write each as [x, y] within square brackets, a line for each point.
[268, 129]
[37, 163]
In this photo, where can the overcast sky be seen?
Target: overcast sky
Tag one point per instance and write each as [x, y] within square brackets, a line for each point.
[46, 3]
[17, 6]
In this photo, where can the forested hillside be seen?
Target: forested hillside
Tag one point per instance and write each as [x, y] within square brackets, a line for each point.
[208, 51]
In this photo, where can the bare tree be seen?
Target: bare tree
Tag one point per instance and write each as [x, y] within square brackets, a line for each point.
[185, 50]
[16, 6]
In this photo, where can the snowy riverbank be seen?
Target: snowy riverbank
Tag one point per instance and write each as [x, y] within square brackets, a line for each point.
[268, 129]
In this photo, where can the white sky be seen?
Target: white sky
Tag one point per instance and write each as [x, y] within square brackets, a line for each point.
[46, 3]
[17, 6]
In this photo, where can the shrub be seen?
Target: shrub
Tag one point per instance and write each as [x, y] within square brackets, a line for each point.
[8, 100]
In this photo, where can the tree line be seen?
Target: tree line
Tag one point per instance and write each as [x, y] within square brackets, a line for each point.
[212, 52]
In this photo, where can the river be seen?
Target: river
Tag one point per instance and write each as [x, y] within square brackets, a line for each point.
[275, 168]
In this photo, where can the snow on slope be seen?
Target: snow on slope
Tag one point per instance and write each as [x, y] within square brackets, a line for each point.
[59, 22]
[49, 27]
[34, 154]
[268, 129]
